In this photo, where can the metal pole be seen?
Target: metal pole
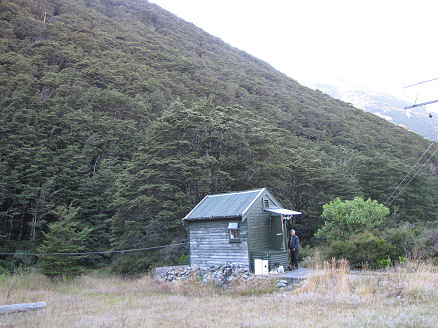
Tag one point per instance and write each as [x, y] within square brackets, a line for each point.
[282, 230]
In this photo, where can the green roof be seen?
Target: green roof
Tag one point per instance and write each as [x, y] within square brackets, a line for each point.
[229, 205]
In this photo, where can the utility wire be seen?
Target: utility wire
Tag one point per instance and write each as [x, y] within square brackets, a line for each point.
[436, 150]
[408, 173]
[422, 104]
[97, 252]
[408, 86]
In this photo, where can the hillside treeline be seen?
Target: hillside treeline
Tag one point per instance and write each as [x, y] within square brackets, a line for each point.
[118, 117]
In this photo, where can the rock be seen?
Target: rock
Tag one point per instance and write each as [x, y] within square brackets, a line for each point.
[218, 282]
[284, 282]
[280, 285]
[219, 274]
[396, 293]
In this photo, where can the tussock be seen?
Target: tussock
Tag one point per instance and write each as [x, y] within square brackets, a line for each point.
[405, 296]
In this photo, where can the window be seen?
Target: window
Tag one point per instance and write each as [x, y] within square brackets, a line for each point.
[266, 203]
[233, 232]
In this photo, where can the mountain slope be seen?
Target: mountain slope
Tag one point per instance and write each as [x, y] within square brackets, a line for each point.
[388, 107]
[131, 115]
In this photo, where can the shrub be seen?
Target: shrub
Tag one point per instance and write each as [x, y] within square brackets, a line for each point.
[414, 241]
[345, 218]
[364, 248]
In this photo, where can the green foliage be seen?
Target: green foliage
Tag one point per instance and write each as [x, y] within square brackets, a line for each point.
[391, 246]
[414, 241]
[135, 115]
[183, 260]
[63, 237]
[364, 249]
[345, 218]
[188, 153]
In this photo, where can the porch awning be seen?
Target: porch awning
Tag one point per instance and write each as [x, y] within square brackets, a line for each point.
[282, 211]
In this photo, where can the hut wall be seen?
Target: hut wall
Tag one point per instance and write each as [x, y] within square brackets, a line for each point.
[259, 226]
[209, 243]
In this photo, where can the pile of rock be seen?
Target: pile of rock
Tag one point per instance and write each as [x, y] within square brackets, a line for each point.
[224, 274]
[218, 274]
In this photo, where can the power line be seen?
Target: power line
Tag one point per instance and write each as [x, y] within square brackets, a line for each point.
[408, 173]
[92, 253]
[408, 86]
[436, 150]
[422, 104]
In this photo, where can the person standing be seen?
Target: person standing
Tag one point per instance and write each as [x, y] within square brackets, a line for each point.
[293, 245]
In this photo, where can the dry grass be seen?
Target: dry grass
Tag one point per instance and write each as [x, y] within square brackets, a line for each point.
[401, 297]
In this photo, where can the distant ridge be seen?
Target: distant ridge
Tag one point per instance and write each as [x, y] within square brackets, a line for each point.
[384, 105]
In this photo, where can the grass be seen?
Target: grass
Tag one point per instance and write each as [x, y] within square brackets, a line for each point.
[405, 296]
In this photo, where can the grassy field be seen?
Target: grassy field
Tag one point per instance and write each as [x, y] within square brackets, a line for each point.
[400, 297]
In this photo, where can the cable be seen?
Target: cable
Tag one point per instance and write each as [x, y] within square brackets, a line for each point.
[408, 173]
[408, 86]
[97, 252]
[436, 150]
[422, 104]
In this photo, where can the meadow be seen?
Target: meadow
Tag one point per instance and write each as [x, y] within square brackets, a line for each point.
[403, 296]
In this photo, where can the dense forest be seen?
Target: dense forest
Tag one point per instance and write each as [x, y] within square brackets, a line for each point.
[117, 117]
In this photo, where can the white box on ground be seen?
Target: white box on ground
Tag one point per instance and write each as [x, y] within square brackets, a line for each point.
[261, 267]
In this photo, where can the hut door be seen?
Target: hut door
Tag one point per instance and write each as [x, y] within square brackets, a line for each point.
[277, 235]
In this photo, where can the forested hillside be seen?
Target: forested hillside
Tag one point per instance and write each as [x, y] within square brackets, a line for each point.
[117, 116]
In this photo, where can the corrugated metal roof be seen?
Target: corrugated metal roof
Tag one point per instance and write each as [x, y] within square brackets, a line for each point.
[228, 205]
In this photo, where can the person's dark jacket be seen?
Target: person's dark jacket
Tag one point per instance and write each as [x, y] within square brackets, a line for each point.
[294, 242]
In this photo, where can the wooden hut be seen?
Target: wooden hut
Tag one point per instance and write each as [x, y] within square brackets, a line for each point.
[238, 227]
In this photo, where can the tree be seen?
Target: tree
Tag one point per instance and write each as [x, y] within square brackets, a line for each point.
[63, 237]
[188, 153]
[345, 218]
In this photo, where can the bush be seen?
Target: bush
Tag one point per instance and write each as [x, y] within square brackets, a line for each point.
[414, 241]
[183, 259]
[130, 265]
[342, 219]
[364, 249]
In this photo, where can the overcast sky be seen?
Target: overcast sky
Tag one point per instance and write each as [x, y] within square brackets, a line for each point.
[381, 45]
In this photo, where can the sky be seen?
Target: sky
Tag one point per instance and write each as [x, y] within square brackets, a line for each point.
[379, 45]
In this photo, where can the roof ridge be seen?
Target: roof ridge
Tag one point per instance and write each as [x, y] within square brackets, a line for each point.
[236, 192]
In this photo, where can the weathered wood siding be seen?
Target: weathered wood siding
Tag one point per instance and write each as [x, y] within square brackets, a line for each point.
[259, 224]
[209, 243]
[259, 235]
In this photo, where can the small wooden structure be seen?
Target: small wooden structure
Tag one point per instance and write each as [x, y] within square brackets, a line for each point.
[238, 227]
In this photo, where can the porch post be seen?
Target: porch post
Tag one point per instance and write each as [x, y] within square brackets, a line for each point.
[282, 233]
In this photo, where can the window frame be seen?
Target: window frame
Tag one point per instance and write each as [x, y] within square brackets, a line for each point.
[233, 226]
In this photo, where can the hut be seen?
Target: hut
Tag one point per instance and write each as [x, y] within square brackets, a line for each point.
[238, 227]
